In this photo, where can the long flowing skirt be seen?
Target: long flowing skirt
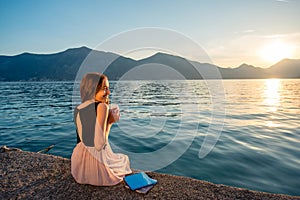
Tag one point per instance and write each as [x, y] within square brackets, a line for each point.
[101, 168]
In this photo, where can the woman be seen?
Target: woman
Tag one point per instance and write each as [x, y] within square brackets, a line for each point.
[93, 161]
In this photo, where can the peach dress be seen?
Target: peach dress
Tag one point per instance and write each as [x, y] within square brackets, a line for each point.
[88, 165]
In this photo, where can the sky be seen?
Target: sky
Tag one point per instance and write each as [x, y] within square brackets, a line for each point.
[231, 32]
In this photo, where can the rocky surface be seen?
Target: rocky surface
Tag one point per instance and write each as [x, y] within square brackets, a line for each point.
[27, 175]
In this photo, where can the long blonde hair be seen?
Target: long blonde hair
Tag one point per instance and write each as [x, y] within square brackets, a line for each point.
[90, 85]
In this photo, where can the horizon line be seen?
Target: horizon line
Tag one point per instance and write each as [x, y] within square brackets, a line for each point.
[148, 56]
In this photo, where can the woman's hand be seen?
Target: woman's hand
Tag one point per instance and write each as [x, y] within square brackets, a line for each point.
[113, 115]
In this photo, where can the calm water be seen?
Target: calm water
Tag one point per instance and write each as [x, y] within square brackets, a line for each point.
[258, 149]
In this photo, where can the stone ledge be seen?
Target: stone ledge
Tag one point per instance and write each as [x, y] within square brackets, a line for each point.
[27, 175]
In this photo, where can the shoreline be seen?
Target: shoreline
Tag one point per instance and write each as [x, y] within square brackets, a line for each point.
[39, 176]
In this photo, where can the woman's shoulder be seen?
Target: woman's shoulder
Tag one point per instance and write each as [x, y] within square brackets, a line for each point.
[102, 107]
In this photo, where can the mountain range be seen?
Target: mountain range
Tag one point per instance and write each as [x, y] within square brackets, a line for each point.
[68, 64]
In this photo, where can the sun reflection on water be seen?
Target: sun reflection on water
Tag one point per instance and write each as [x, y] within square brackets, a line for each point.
[272, 95]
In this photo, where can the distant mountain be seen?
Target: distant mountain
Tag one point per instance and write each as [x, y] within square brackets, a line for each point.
[41, 67]
[287, 68]
[244, 71]
[65, 66]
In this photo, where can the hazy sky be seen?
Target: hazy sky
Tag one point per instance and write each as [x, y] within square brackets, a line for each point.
[232, 32]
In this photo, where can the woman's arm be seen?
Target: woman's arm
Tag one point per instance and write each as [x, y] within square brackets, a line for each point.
[108, 126]
[113, 116]
[101, 126]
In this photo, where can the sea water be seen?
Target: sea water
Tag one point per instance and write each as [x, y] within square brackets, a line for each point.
[258, 148]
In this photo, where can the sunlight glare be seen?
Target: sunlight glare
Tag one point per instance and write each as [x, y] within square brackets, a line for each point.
[272, 96]
[276, 51]
[271, 124]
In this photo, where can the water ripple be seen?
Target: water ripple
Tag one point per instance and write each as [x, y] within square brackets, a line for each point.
[258, 148]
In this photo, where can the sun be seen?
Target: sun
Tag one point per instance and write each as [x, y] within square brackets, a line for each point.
[277, 50]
